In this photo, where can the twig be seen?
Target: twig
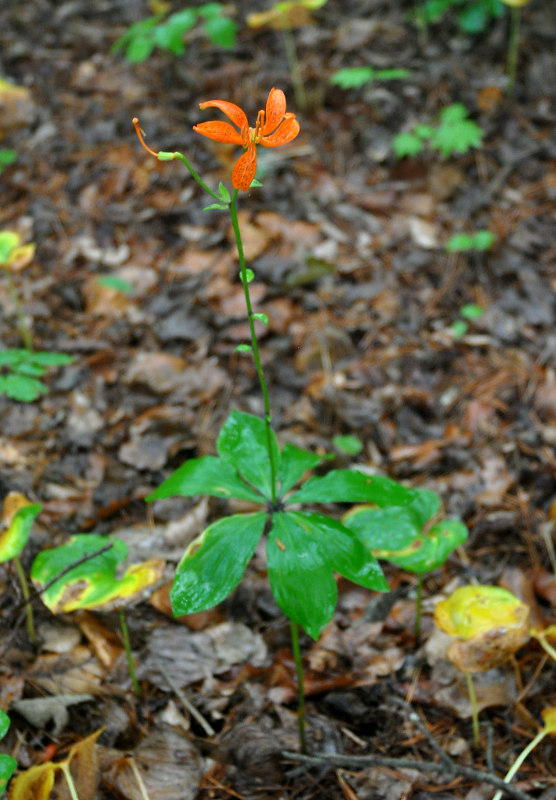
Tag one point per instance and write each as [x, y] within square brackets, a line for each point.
[454, 768]
[206, 726]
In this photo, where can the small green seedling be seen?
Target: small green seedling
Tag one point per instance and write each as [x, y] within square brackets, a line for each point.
[116, 283]
[355, 77]
[8, 764]
[490, 624]
[16, 521]
[454, 133]
[7, 157]
[92, 583]
[168, 32]
[465, 242]
[348, 445]
[468, 312]
[472, 16]
[20, 371]
[408, 537]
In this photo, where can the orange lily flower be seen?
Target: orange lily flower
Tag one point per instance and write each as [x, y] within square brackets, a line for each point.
[273, 128]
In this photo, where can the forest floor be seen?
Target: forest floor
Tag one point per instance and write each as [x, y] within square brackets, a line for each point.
[348, 245]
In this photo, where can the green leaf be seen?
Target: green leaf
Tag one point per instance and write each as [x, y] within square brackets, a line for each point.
[98, 572]
[224, 192]
[458, 328]
[350, 445]
[423, 131]
[9, 240]
[425, 505]
[471, 311]
[249, 275]
[92, 584]
[484, 239]
[7, 157]
[116, 283]
[294, 463]
[396, 535]
[214, 563]
[255, 184]
[4, 723]
[169, 37]
[19, 387]
[242, 442]
[205, 475]
[14, 538]
[139, 49]
[261, 317]
[8, 766]
[459, 243]
[304, 550]
[456, 133]
[219, 206]
[352, 486]
[221, 31]
[243, 348]
[301, 580]
[352, 77]
[406, 144]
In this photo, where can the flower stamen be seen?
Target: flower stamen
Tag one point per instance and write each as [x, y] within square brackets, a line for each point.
[140, 134]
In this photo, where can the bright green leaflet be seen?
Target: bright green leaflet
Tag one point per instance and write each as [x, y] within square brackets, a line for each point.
[214, 563]
[14, 538]
[303, 551]
[242, 442]
[8, 764]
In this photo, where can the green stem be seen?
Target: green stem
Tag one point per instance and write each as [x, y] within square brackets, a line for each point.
[69, 778]
[513, 48]
[197, 177]
[418, 608]
[295, 68]
[254, 344]
[520, 759]
[300, 686]
[23, 329]
[26, 596]
[127, 647]
[474, 709]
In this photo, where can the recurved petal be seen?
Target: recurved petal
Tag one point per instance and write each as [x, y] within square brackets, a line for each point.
[245, 168]
[287, 131]
[220, 131]
[233, 112]
[275, 110]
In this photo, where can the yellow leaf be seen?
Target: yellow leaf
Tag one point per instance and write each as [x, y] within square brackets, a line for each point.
[20, 257]
[549, 717]
[33, 784]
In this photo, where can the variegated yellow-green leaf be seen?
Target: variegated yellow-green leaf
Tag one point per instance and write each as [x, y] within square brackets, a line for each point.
[92, 584]
[16, 521]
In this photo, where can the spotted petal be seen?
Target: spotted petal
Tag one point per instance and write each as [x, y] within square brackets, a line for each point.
[220, 131]
[233, 112]
[275, 110]
[245, 168]
[287, 131]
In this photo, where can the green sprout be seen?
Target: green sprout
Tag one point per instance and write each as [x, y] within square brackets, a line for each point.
[168, 32]
[454, 133]
[355, 77]
[468, 312]
[7, 157]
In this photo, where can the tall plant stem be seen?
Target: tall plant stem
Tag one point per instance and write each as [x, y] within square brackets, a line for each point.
[254, 344]
[23, 328]
[127, 648]
[474, 709]
[513, 48]
[300, 686]
[295, 68]
[27, 597]
[418, 609]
